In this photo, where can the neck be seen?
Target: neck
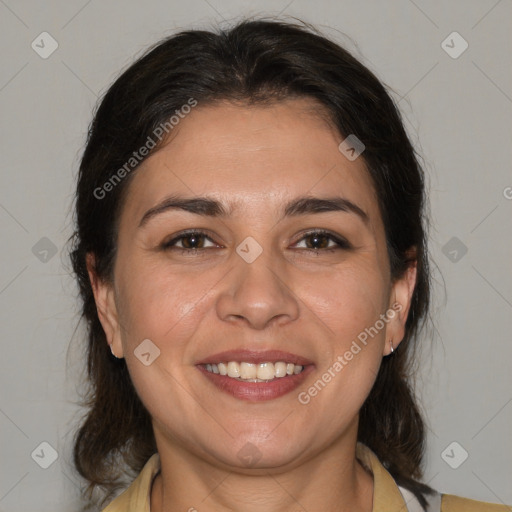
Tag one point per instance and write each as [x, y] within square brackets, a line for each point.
[332, 481]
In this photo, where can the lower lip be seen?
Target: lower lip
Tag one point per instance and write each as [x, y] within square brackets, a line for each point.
[257, 391]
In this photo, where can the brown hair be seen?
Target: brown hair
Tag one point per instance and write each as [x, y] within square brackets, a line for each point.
[255, 61]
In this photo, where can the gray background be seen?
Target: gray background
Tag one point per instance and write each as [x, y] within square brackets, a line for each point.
[458, 113]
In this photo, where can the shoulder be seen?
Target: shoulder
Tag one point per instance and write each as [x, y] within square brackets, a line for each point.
[390, 496]
[136, 498]
[451, 503]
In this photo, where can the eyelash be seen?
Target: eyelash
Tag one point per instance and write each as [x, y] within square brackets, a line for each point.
[341, 243]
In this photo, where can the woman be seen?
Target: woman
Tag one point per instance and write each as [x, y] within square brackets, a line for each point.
[251, 255]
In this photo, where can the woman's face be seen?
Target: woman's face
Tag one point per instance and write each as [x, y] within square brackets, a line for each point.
[258, 277]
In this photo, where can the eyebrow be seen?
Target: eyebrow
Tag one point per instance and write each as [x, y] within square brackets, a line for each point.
[212, 208]
[307, 205]
[198, 205]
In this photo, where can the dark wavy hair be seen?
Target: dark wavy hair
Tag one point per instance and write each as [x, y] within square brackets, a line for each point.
[257, 61]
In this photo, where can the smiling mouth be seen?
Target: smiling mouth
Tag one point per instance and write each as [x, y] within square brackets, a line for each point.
[256, 375]
[251, 372]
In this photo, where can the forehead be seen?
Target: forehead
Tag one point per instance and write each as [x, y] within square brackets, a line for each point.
[252, 157]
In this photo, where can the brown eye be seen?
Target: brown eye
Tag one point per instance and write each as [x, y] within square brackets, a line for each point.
[193, 241]
[321, 240]
[190, 241]
[317, 241]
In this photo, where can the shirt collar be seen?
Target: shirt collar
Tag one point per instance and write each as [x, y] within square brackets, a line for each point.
[386, 495]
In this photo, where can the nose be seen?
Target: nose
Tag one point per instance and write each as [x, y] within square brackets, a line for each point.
[258, 294]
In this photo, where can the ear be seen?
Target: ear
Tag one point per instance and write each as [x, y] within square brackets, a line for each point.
[400, 301]
[106, 306]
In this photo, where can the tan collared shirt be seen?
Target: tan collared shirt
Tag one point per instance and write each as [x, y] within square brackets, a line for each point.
[386, 494]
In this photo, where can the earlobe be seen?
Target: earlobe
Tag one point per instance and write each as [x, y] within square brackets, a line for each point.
[106, 307]
[401, 298]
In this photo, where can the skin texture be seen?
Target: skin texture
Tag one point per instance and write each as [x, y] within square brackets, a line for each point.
[253, 160]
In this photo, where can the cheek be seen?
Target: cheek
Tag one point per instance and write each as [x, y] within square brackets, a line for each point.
[348, 301]
[167, 308]
[347, 307]
[161, 304]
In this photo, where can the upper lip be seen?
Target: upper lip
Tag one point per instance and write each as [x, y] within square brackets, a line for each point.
[255, 357]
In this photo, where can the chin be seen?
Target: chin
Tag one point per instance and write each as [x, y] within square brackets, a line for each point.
[250, 453]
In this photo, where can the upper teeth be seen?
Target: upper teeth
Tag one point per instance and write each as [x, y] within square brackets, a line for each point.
[254, 372]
